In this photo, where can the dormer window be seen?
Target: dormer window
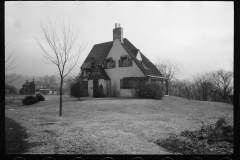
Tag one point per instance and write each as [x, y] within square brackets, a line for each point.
[125, 61]
[139, 57]
[109, 63]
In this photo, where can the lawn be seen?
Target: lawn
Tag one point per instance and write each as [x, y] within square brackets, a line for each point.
[110, 125]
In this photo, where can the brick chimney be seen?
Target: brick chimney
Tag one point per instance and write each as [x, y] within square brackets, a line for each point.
[118, 33]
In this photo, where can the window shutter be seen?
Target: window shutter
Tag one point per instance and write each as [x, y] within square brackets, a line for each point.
[130, 61]
[114, 64]
[121, 83]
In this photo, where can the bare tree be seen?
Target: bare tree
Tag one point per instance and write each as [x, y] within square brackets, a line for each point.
[9, 66]
[50, 80]
[60, 37]
[202, 87]
[169, 68]
[222, 83]
[187, 88]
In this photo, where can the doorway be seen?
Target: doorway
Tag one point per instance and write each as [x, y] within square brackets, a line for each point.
[95, 85]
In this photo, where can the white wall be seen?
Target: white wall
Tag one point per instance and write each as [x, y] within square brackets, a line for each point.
[90, 88]
[115, 74]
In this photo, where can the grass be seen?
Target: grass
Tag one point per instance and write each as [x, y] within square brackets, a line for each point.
[110, 125]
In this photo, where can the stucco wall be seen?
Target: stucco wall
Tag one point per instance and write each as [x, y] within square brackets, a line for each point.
[115, 74]
[90, 88]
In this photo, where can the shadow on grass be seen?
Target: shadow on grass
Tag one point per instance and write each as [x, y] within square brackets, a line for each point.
[15, 136]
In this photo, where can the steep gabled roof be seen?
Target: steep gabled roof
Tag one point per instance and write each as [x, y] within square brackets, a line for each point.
[100, 51]
[102, 71]
[151, 69]
[27, 83]
[99, 73]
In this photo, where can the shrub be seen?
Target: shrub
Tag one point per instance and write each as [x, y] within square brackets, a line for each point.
[98, 92]
[152, 90]
[40, 97]
[29, 100]
[78, 89]
[209, 139]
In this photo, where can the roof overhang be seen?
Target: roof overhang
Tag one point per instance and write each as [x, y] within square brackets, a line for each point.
[158, 77]
[86, 65]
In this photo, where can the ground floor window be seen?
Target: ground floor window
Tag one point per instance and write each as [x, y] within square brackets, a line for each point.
[121, 84]
[130, 82]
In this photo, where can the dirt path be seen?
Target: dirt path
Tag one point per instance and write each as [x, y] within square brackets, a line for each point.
[111, 126]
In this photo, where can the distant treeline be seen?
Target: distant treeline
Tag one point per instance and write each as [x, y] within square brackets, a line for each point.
[214, 86]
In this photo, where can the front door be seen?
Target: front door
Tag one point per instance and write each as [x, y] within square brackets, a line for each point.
[95, 85]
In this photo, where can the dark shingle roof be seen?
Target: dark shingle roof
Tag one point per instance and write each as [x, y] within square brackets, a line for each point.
[102, 71]
[132, 50]
[27, 83]
[98, 73]
[100, 51]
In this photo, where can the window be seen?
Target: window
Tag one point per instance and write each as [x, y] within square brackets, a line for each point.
[121, 84]
[109, 63]
[125, 61]
[153, 80]
[130, 82]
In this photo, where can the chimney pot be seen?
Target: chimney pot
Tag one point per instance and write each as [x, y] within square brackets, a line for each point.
[118, 33]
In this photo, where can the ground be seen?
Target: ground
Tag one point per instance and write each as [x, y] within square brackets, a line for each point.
[109, 125]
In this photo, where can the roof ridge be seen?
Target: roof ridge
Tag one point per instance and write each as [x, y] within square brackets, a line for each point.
[102, 43]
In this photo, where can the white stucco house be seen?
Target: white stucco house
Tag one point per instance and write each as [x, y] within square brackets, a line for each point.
[117, 65]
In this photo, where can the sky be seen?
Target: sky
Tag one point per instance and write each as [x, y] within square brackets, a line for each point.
[199, 35]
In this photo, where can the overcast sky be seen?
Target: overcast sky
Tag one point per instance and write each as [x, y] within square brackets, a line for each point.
[197, 34]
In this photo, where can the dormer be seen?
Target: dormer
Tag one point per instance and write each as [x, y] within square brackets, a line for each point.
[139, 57]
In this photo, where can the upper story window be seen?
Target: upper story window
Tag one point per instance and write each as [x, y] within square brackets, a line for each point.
[125, 61]
[86, 72]
[109, 63]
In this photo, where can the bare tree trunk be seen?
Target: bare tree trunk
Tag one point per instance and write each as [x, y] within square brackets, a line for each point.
[60, 110]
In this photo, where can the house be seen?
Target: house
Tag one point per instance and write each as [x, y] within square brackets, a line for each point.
[34, 87]
[118, 65]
